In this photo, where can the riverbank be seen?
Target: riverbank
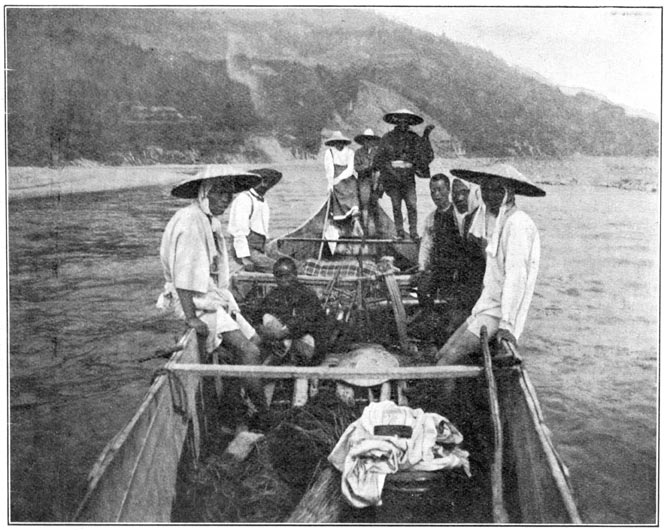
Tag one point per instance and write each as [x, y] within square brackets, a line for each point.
[616, 172]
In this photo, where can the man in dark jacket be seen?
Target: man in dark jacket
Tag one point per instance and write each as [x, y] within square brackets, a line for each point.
[450, 263]
[368, 179]
[292, 318]
[401, 156]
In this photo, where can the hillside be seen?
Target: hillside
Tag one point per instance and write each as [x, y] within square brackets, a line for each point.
[199, 85]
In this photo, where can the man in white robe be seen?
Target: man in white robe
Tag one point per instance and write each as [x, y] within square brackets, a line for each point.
[249, 223]
[512, 262]
[196, 270]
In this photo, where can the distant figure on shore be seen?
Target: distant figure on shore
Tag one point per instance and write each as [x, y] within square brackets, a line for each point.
[292, 318]
[196, 268]
[368, 179]
[249, 223]
[512, 262]
[449, 265]
[402, 155]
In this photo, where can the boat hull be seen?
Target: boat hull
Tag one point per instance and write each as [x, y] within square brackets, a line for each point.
[306, 241]
[135, 478]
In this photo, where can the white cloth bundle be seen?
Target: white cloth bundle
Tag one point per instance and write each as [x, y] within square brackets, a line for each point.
[365, 459]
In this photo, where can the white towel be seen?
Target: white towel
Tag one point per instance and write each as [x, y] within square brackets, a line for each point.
[365, 459]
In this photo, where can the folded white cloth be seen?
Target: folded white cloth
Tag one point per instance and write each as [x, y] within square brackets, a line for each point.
[365, 459]
[217, 308]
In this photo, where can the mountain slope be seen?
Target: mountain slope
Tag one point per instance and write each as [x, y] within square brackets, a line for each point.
[107, 84]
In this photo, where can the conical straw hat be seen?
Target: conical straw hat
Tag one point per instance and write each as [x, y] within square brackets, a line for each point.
[235, 179]
[505, 172]
[402, 114]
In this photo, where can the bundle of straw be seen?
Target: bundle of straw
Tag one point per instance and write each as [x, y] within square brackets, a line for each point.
[269, 484]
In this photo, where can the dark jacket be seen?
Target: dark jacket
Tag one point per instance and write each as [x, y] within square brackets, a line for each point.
[457, 263]
[406, 146]
[297, 307]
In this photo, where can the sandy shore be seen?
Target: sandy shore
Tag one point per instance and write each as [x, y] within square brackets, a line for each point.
[25, 182]
[617, 172]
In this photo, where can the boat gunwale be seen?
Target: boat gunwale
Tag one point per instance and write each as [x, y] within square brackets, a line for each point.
[113, 446]
[556, 465]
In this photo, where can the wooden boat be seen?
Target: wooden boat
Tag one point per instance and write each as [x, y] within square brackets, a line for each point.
[520, 477]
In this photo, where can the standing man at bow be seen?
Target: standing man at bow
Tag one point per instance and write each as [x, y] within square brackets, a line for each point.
[401, 156]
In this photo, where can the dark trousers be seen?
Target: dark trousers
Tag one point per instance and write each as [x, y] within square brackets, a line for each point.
[405, 191]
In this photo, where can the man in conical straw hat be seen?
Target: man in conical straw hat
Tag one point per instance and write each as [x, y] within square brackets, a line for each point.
[512, 262]
[368, 180]
[249, 223]
[402, 155]
[196, 267]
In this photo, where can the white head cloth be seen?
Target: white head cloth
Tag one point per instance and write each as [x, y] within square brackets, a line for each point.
[202, 196]
[492, 246]
[474, 201]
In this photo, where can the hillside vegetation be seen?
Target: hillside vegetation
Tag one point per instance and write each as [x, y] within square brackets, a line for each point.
[198, 85]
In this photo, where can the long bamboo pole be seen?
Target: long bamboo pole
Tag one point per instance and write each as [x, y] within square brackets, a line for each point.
[324, 226]
[499, 512]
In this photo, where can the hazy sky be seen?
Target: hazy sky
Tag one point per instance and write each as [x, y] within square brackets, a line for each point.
[615, 52]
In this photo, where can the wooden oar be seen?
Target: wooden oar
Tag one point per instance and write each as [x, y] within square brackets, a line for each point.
[499, 512]
[399, 310]
[324, 227]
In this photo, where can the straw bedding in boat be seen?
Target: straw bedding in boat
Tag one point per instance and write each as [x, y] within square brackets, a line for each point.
[269, 484]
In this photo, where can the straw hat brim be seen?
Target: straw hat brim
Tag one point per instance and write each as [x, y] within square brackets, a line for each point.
[395, 117]
[270, 176]
[362, 138]
[332, 141]
[234, 183]
[521, 185]
[367, 356]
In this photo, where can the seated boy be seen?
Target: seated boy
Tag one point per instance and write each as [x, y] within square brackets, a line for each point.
[292, 318]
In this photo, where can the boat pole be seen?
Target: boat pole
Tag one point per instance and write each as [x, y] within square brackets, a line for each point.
[324, 227]
[498, 505]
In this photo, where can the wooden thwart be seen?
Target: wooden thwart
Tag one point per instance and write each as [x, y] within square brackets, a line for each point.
[370, 240]
[327, 372]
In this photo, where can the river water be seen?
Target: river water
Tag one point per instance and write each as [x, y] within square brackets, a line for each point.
[84, 275]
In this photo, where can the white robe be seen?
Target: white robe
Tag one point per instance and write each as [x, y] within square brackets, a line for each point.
[188, 254]
[247, 212]
[512, 263]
